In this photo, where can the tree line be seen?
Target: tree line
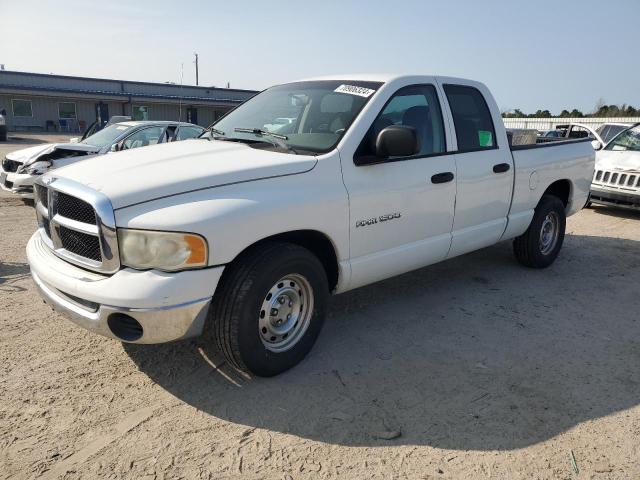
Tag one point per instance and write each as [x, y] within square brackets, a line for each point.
[601, 110]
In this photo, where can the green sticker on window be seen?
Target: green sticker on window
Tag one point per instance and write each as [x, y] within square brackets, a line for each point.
[485, 138]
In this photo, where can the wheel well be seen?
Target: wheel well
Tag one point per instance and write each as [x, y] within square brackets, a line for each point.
[314, 241]
[560, 189]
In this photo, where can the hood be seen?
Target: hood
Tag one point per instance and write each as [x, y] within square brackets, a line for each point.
[624, 160]
[27, 154]
[30, 155]
[144, 174]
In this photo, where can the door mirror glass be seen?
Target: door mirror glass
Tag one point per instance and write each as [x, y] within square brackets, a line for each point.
[397, 141]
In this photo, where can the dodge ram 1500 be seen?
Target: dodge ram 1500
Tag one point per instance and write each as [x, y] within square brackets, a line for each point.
[242, 235]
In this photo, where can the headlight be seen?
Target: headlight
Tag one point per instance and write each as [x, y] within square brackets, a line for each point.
[37, 168]
[144, 249]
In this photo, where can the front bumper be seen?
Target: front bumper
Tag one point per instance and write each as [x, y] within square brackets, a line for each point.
[616, 198]
[19, 183]
[167, 306]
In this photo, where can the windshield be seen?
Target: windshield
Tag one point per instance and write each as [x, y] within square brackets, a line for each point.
[612, 131]
[309, 116]
[627, 140]
[106, 136]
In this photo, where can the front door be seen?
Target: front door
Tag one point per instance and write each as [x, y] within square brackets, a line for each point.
[102, 114]
[401, 209]
[485, 171]
[192, 115]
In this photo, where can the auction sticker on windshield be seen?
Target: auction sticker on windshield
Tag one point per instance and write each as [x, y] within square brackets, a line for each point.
[355, 90]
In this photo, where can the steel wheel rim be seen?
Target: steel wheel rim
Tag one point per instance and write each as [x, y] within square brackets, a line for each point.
[549, 233]
[285, 313]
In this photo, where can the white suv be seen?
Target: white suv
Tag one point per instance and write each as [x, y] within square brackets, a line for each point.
[616, 180]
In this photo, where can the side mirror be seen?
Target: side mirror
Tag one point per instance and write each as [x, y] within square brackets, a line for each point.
[115, 147]
[596, 145]
[397, 141]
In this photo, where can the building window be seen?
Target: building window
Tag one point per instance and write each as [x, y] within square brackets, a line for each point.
[140, 112]
[67, 110]
[21, 108]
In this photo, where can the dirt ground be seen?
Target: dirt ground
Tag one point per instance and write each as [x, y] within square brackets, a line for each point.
[483, 368]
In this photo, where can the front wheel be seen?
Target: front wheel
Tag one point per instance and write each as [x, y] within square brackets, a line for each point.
[539, 246]
[269, 308]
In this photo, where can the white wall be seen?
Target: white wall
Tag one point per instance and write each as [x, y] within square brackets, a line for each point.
[550, 123]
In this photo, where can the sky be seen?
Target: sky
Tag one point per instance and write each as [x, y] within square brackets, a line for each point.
[532, 54]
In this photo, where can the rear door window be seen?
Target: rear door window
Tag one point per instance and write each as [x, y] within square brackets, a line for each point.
[471, 118]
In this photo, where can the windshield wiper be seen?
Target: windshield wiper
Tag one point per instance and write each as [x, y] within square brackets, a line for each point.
[277, 138]
[212, 130]
[259, 131]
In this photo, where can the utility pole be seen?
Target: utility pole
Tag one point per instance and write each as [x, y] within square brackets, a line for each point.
[196, 67]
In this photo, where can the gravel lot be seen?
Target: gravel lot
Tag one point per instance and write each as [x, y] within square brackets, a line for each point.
[485, 369]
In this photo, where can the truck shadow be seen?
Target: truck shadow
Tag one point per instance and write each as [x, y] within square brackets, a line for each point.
[10, 274]
[474, 353]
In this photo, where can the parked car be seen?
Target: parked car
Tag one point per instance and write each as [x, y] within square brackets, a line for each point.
[609, 130]
[574, 131]
[21, 168]
[552, 134]
[243, 234]
[616, 181]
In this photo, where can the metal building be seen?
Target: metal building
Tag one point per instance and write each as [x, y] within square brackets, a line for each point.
[41, 102]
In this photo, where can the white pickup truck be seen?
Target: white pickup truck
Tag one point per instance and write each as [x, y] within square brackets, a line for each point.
[241, 235]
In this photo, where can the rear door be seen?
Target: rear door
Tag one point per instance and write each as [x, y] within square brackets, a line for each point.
[401, 208]
[484, 169]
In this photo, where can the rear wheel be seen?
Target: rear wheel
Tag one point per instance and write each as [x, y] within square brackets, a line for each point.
[539, 246]
[269, 308]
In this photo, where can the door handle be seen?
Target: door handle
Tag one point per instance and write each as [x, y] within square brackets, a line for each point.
[501, 168]
[443, 177]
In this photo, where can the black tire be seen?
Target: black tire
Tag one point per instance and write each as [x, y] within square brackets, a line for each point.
[588, 203]
[233, 322]
[528, 248]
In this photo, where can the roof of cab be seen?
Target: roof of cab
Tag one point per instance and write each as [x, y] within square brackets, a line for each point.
[379, 77]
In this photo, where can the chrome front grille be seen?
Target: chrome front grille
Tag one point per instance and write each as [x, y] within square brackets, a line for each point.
[83, 244]
[617, 179]
[42, 195]
[77, 223]
[75, 209]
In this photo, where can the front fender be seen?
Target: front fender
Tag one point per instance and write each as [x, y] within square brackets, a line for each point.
[234, 217]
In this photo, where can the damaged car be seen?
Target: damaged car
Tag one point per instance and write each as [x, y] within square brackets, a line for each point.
[21, 168]
[616, 180]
